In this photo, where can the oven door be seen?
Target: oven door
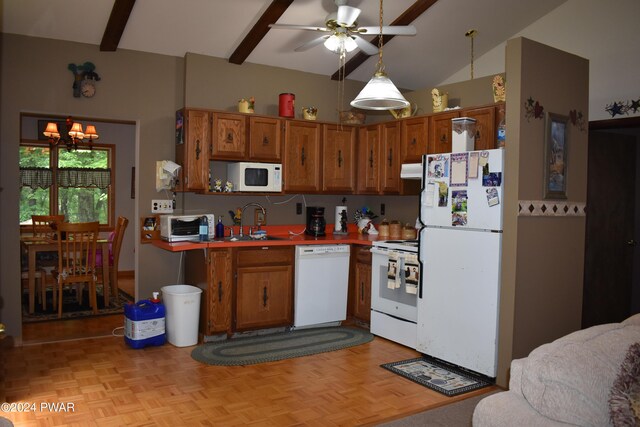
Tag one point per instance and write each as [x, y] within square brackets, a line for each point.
[395, 302]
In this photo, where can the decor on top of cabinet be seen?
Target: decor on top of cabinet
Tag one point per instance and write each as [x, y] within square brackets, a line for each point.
[440, 101]
[499, 89]
[352, 117]
[309, 113]
[407, 111]
[246, 106]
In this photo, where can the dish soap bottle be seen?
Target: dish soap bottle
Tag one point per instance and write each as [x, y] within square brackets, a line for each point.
[204, 229]
[220, 228]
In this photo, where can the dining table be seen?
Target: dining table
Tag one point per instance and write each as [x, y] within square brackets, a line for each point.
[34, 245]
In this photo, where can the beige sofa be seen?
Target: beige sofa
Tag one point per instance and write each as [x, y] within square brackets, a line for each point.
[566, 382]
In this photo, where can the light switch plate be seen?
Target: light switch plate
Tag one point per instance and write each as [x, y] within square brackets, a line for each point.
[162, 206]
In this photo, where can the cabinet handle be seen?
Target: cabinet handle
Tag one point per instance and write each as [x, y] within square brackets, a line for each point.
[413, 141]
[478, 134]
[220, 291]
[230, 137]
[443, 138]
[362, 291]
[302, 156]
[339, 158]
[264, 297]
[198, 150]
[265, 141]
[390, 158]
[371, 159]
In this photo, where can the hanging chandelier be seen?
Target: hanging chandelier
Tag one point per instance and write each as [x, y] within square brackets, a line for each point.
[380, 93]
[73, 136]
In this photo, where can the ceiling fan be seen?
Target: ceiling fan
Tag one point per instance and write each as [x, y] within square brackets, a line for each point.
[344, 34]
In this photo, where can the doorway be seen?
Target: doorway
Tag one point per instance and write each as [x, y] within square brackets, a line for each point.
[611, 272]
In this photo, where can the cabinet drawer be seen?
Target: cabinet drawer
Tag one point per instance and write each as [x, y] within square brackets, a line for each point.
[265, 255]
[363, 255]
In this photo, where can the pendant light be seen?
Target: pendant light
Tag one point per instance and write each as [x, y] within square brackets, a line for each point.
[380, 93]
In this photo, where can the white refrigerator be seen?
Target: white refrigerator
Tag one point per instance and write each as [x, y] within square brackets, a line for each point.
[460, 251]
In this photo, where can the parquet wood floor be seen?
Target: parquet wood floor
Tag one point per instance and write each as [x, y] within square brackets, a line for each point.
[111, 384]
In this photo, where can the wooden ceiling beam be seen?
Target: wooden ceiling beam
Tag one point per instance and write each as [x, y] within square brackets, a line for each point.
[259, 30]
[409, 15]
[116, 24]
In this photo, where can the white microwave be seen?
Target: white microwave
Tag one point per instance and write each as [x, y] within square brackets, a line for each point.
[261, 177]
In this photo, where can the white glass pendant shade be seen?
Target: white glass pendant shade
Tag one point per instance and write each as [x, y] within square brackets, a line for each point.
[380, 94]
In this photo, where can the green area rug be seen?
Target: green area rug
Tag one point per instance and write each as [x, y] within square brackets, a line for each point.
[279, 346]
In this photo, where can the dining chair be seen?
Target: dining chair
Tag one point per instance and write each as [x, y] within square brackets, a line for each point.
[113, 257]
[45, 225]
[77, 258]
[43, 280]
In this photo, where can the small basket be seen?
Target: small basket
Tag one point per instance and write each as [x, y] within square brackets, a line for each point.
[352, 117]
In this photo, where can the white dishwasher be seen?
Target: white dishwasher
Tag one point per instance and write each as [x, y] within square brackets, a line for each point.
[321, 285]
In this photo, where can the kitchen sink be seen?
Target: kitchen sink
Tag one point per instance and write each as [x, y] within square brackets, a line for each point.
[252, 238]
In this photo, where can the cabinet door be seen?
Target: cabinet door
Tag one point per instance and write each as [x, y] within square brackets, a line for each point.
[368, 159]
[485, 126]
[440, 132]
[230, 134]
[302, 156]
[192, 151]
[415, 133]
[362, 309]
[219, 295]
[264, 138]
[390, 157]
[338, 158]
[264, 297]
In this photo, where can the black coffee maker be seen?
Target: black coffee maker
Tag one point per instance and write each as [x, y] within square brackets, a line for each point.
[315, 221]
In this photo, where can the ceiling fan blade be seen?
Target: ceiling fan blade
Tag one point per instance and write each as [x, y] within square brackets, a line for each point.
[308, 45]
[365, 46]
[397, 30]
[298, 27]
[347, 15]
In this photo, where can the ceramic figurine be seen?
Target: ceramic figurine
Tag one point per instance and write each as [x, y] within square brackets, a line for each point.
[217, 184]
[228, 187]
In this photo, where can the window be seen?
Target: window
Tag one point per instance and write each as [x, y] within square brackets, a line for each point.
[77, 184]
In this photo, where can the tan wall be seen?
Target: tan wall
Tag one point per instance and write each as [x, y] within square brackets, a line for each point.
[140, 87]
[542, 274]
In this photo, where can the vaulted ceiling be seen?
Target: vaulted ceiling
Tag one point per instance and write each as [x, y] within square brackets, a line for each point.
[238, 31]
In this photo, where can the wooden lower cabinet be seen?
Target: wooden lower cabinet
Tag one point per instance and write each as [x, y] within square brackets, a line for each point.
[362, 284]
[211, 271]
[264, 287]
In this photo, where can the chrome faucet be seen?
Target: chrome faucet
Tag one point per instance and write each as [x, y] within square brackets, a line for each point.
[258, 205]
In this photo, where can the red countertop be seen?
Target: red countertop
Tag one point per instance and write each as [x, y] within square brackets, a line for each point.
[288, 235]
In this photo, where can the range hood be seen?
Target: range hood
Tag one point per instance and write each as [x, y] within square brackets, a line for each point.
[411, 171]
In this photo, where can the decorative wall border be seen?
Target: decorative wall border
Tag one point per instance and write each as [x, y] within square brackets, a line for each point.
[555, 208]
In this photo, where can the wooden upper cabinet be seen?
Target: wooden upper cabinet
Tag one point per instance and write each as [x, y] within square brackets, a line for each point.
[368, 159]
[229, 136]
[485, 126]
[415, 133]
[440, 132]
[390, 157]
[265, 139]
[338, 157]
[193, 139]
[302, 156]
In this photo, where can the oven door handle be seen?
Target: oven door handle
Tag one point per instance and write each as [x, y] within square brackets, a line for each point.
[378, 251]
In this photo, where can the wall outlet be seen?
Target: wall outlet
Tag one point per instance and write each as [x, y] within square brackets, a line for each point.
[298, 208]
[162, 206]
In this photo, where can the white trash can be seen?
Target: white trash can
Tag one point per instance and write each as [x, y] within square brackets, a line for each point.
[182, 305]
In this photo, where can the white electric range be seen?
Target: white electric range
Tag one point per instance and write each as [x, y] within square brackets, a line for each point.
[393, 304]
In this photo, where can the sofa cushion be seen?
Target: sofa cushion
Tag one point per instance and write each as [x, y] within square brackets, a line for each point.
[569, 380]
[624, 402]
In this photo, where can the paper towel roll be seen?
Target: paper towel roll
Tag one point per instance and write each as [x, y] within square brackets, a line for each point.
[337, 227]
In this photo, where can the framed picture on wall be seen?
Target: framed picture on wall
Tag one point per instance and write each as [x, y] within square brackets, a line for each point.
[555, 156]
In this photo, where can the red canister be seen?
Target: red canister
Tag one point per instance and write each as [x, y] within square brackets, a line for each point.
[286, 106]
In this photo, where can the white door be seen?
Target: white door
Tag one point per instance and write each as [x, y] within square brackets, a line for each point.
[458, 311]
